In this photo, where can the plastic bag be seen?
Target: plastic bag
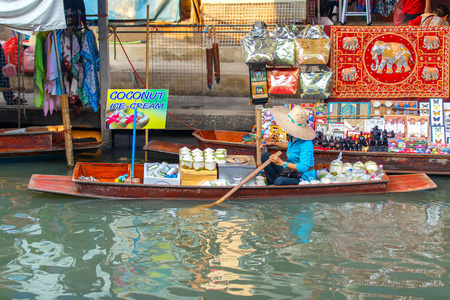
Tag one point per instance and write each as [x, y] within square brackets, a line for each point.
[336, 167]
[371, 166]
[9, 70]
[322, 173]
[28, 60]
[359, 166]
[347, 167]
[283, 80]
[10, 50]
[258, 46]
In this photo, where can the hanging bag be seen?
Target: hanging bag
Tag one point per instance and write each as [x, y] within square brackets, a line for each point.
[315, 82]
[11, 50]
[258, 46]
[313, 46]
[9, 70]
[283, 81]
[286, 47]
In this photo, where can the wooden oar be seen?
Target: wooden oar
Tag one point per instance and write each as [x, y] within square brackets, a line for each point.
[252, 174]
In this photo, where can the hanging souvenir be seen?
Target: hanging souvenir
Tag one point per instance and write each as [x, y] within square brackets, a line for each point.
[209, 58]
[286, 46]
[315, 82]
[258, 84]
[258, 46]
[215, 46]
[283, 80]
[313, 46]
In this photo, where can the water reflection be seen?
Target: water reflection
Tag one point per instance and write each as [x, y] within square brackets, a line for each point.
[222, 249]
[382, 246]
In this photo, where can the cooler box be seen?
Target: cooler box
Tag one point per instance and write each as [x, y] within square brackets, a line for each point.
[160, 181]
[237, 166]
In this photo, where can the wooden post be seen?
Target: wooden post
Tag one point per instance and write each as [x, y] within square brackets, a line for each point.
[103, 43]
[147, 51]
[19, 75]
[64, 109]
[258, 133]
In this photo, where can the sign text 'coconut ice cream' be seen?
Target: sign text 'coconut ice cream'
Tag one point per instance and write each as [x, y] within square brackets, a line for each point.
[151, 106]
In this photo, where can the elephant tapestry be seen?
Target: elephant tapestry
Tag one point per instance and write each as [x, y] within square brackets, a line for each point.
[390, 62]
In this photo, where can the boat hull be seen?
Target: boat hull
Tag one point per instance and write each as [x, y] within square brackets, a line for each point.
[97, 180]
[45, 140]
[64, 185]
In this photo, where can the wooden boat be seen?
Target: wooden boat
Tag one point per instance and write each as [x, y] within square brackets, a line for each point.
[104, 186]
[392, 162]
[41, 140]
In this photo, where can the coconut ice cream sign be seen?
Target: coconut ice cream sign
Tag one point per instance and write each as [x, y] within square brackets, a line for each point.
[149, 107]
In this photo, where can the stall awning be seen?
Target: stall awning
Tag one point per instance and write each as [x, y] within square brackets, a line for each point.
[32, 15]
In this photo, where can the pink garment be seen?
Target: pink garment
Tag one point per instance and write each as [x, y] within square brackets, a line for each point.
[50, 86]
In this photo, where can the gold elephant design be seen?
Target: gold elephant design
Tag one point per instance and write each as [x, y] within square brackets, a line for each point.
[391, 54]
[349, 74]
[350, 43]
[431, 42]
[430, 73]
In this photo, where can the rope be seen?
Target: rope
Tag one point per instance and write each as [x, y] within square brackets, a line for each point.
[104, 32]
[137, 75]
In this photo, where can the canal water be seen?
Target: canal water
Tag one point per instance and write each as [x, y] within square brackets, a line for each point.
[393, 246]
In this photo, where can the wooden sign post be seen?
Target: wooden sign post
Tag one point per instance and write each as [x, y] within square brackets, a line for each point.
[65, 110]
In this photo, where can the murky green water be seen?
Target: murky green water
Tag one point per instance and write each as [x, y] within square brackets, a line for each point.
[374, 247]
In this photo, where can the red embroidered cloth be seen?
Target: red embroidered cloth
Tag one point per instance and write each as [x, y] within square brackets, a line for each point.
[390, 62]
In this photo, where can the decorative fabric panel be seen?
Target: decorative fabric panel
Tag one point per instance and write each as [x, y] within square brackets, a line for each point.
[390, 62]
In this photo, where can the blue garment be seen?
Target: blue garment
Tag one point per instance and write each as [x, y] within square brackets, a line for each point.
[89, 53]
[299, 152]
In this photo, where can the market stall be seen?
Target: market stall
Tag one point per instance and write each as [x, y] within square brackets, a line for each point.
[384, 90]
[403, 126]
[56, 24]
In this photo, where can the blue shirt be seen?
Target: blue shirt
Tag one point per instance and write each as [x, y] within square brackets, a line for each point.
[300, 152]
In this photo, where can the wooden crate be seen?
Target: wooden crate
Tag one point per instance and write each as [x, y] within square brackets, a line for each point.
[192, 177]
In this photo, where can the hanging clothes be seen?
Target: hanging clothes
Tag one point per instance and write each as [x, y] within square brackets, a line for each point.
[52, 87]
[39, 69]
[89, 54]
[75, 12]
[78, 60]
[76, 78]
[80, 71]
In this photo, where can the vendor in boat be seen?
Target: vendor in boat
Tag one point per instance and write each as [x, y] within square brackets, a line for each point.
[300, 150]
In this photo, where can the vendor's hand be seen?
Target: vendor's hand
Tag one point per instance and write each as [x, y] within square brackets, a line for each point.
[269, 143]
[276, 160]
